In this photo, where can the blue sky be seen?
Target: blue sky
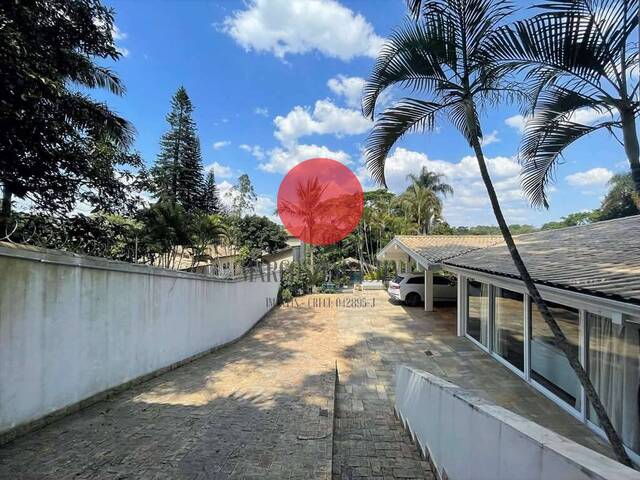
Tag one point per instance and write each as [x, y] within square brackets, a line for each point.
[275, 82]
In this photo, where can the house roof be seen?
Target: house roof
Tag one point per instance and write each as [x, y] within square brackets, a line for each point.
[601, 259]
[437, 248]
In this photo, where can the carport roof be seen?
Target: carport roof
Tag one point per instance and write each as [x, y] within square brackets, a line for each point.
[434, 249]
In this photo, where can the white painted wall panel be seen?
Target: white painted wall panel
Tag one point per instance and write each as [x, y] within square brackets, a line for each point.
[73, 326]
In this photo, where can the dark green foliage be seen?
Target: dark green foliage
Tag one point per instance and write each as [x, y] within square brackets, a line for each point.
[108, 236]
[178, 172]
[210, 200]
[285, 295]
[622, 200]
[165, 228]
[296, 278]
[50, 132]
[258, 235]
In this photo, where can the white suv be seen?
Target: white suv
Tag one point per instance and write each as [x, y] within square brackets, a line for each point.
[409, 288]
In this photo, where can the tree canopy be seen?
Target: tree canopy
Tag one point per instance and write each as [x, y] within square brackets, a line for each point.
[50, 129]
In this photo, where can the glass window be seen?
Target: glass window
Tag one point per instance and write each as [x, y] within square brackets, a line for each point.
[478, 311]
[549, 365]
[440, 280]
[508, 332]
[614, 369]
[416, 280]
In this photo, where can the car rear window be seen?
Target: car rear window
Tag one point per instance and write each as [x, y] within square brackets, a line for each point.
[398, 279]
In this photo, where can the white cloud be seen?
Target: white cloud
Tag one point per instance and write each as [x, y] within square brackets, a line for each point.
[221, 144]
[348, 87]
[266, 207]
[281, 160]
[596, 177]
[254, 150]
[491, 138]
[517, 121]
[469, 204]
[226, 192]
[588, 116]
[284, 27]
[326, 118]
[262, 111]
[219, 170]
[117, 33]
[585, 116]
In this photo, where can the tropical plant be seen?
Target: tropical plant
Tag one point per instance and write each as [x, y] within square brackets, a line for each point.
[296, 278]
[431, 181]
[445, 54]
[622, 200]
[205, 231]
[580, 59]
[49, 128]
[165, 230]
[421, 205]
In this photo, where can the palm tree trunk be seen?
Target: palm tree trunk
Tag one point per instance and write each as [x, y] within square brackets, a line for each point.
[5, 212]
[6, 202]
[560, 338]
[631, 147]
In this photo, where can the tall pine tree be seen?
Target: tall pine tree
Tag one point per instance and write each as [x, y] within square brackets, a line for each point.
[210, 199]
[178, 173]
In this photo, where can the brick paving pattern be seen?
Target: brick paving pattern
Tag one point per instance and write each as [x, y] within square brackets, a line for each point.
[259, 408]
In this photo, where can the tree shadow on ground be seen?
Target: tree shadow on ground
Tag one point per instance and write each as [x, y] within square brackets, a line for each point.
[259, 408]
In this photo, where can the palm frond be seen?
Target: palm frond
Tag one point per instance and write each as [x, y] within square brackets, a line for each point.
[542, 146]
[97, 120]
[412, 58]
[406, 115]
[467, 122]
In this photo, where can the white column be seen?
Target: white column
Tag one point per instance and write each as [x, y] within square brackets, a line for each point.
[428, 291]
[397, 267]
[461, 305]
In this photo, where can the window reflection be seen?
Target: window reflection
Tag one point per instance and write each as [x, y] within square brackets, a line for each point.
[478, 311]
[549, 365]
[508, 335]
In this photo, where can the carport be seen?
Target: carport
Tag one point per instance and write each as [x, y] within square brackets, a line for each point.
[425, 253]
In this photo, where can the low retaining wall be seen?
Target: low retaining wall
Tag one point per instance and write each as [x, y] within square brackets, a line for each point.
[465, 437]
[73, 326]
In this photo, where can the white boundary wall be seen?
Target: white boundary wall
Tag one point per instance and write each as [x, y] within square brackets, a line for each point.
[468, 438]
[73, 326]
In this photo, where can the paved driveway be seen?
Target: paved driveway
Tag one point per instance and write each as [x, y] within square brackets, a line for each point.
[259, 408]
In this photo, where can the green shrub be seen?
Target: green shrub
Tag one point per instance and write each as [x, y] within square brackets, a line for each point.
[296, 278]
[285, 295]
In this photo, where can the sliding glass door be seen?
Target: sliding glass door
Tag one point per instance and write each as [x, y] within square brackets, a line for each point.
[478, 311]
[614, 369]
[508, 326]
[549, 365]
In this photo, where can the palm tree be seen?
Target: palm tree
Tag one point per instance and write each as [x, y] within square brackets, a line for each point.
[432, 181]
[445, 55]
[421, 205]
[578, 58]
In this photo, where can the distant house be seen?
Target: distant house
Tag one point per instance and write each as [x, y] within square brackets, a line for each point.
[225, 261]
[590, 278]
